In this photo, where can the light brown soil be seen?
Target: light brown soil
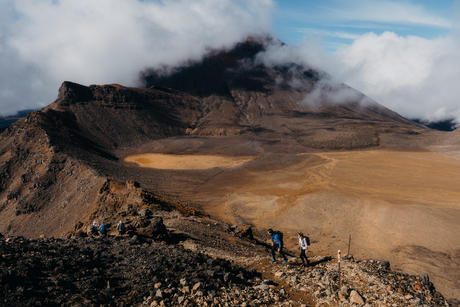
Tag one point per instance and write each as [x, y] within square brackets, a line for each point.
[161, 161]
[398, 206]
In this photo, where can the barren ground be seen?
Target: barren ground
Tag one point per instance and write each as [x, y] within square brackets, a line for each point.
[162, 161]
[396, 205]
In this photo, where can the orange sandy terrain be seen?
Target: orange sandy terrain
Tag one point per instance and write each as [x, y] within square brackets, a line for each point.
[398, 206]
[162, 161]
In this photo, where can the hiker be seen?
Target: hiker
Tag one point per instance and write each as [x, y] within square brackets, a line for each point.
[94, 229]
[277, 243]
[103, 230]
[303, 243]
[121, 228]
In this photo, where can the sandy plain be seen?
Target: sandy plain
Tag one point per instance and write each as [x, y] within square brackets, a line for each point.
[163, 161]
[400, 206]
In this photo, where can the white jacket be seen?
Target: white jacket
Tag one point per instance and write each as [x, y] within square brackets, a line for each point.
[303, 243]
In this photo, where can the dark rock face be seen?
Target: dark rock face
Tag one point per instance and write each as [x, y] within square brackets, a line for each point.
[73, 92]
[216, 74]
[114, 116]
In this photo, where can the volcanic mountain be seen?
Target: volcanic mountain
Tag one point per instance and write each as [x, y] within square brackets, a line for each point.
[311, 155]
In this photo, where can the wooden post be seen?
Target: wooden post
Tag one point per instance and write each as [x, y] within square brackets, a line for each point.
[349, 243]
[339, 258]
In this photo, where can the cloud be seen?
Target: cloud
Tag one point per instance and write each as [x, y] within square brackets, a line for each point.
[414, 76]
[43, 43]
[411, 75]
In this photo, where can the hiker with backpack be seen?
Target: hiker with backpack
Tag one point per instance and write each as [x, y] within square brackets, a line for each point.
[103, 230]
[121, 228]
[94, 229]
[277, 244]
[304, 242]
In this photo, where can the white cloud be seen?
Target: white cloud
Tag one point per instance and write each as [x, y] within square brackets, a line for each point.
[414, 76]
[43, 43]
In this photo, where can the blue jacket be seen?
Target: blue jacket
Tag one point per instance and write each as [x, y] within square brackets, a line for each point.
[276, 239]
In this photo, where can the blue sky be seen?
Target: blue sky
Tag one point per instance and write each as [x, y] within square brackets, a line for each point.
[403, 54]
[339, 22]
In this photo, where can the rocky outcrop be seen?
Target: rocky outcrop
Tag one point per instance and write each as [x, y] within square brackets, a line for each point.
[114, 272]
[70, 92]
[114, 116]
[362, 282]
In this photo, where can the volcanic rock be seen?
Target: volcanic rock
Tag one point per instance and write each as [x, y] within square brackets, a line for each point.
[111, 272]
[356, 298]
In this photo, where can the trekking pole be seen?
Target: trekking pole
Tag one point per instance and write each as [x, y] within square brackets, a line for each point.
[349, 243]
[339, 258]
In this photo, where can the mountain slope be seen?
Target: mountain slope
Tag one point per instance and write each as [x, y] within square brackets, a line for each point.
[297, 107]
[53, 163]
[234, 106]
[312, 144]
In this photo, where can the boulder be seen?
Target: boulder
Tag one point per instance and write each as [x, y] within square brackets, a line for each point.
[262, 287]
[156, 229]
[146, 213]
[131, 184]
[385, 264]
[141, 222]
[356, 298]
[244, 231]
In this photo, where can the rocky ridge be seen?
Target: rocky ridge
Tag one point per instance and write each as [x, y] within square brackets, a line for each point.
[117, 271]
[362, 283]
[194, 261]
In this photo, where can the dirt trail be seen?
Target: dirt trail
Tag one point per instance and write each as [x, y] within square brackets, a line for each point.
[266, 268]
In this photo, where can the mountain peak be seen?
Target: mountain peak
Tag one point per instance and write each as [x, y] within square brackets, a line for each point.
[216, 74]
[72, 92]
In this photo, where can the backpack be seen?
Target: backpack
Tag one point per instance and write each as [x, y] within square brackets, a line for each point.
[308, 240]
[93, 228]
[280, 235]
[102, 228]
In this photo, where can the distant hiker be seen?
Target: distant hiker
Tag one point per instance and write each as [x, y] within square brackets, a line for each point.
[304, 242]
[103, 230]
[94, 228]
[277, 244]
[121, 228]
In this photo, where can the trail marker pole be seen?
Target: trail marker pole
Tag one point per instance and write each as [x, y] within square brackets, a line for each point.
[349, 243]
[339, 258]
